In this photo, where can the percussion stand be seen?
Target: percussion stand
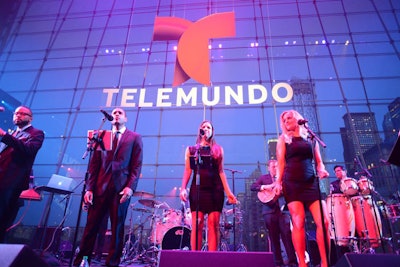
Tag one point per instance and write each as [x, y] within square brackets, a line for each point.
[370, 187]
[154, 249]
[333, 221]
[366, 232]
[241, 246]
[138, 246]
[129, 246]
[384, 203]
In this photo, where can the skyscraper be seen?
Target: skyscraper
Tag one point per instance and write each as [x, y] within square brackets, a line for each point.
[360, 133]
[304, 101]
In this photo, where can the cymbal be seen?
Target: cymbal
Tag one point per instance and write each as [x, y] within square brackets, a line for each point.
[152, 203]
[142, 194]
[141, 210]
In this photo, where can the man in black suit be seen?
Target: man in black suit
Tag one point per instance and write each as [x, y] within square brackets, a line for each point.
[113, 177]
[17, 154]
[276, 219]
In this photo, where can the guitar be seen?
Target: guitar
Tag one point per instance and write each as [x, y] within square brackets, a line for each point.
[267, 195]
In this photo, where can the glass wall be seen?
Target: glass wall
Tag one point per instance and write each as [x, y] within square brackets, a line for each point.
[69, 59]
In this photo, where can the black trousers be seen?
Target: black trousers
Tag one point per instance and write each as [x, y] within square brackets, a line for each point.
[109, 202]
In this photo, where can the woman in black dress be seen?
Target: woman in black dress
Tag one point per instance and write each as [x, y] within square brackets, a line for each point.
[207, 157]
[297, 179]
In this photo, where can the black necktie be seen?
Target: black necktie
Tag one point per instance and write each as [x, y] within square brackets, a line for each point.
[115, 141]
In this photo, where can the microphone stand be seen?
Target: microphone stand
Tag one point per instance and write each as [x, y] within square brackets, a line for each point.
[93, 144]
[234, 207]
[373, 202]
[314, 137]
[198, 161]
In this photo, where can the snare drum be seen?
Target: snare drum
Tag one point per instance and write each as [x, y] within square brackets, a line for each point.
[349, 186]
[366, 186]
[172, 217]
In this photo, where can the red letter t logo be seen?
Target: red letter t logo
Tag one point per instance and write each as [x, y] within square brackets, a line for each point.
[192, 59]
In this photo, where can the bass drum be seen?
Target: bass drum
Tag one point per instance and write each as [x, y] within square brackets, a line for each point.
[176, 238]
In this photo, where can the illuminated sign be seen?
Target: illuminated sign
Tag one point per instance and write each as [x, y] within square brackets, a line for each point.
[192, 58]
[252, 94]
[192, 61]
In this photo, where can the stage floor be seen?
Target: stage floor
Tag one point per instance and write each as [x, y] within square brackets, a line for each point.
[52, 261]
[65, 263]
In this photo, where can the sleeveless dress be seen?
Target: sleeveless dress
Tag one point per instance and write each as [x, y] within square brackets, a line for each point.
[211, 191]
[299, 181]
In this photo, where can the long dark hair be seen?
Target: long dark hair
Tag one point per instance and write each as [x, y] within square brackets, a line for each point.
[215, 148]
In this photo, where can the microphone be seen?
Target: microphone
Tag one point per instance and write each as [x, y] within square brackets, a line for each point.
[2, 109]
[183, 207]
[106, 115]
[202, 132]
[331, 189]
[302, 122]
[355, 163]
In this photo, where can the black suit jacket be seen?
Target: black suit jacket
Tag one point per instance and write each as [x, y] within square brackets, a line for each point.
[122, 168]
[16, 160]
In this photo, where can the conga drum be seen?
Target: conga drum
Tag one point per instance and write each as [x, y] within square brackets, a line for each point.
[349, 186]
[341, 214]
[368, 219]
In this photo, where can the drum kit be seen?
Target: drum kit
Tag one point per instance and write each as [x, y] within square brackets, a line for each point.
[231, 222]
[169, 229]
[355, 213]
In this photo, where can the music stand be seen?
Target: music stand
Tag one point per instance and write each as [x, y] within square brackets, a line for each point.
[46, 212]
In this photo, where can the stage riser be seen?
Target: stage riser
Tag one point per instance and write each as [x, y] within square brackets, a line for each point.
[173, 258]
[19, 255]
[366, 260]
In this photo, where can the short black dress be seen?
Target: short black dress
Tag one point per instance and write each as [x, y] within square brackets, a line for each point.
[211, 191]
[299, 181]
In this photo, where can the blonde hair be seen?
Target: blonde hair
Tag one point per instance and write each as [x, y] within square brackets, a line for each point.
[287, 136]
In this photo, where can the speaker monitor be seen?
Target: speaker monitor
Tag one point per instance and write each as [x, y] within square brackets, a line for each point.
[15, 255]
[366, 260]
[181, 258]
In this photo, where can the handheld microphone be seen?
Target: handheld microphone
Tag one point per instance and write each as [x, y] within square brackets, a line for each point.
[331, 189]
[106, 115]
[202, 132]
[183, 207]
[302, 122]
